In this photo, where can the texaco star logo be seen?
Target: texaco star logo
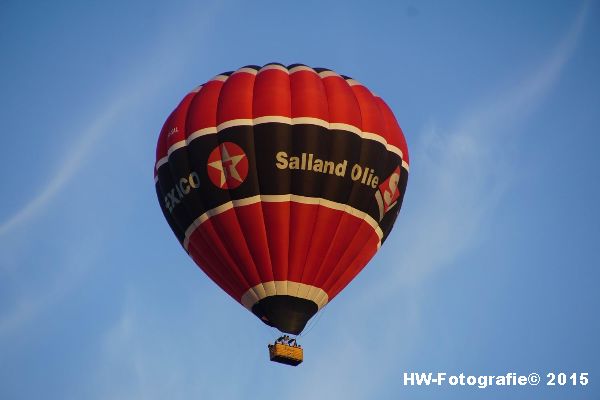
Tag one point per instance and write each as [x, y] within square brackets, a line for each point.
[227, 166]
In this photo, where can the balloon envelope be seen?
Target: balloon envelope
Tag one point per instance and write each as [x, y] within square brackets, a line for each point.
[281, 183]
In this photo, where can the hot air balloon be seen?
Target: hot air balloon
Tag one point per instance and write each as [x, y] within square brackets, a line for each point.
[281, 183]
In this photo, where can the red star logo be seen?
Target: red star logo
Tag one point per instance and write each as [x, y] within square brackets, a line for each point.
[389, 189]
[227, 166]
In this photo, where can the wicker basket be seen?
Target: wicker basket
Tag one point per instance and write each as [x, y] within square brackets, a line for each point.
[285, 354]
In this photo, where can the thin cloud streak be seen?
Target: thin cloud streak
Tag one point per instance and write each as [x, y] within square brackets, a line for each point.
[32, 301]
[459, 177]
[147, 80]
[144, 371]
[76, 156]
[149, 77]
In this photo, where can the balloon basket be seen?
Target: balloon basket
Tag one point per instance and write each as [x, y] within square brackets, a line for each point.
[286, 354]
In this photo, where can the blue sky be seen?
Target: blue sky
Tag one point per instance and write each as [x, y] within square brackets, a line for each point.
[491, 268]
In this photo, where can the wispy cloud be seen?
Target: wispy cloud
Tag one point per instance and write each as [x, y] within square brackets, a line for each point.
[146, 79]
[147, 355]
[75, 260]
[130, 366]
[153, 73]
[34, 298]
[459, 174]
[71, 164]
[459, 177]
